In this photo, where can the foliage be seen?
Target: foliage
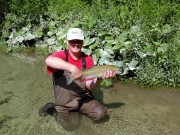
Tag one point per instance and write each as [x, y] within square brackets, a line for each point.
[3, 9]
[138, 36]
[30, 7]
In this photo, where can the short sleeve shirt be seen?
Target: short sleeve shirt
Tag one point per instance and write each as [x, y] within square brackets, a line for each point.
[78, 63]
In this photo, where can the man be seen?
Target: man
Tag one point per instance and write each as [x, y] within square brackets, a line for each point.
[77, 95]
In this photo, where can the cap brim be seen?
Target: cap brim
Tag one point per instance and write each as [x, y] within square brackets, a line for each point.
[73, 38]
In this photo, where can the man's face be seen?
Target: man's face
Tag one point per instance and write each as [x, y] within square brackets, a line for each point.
[75, 45]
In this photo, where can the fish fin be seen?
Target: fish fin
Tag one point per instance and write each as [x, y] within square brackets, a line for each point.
[69, 81]
[68, 77]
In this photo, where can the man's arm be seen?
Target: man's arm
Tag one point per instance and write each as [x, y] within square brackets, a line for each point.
[58, 63]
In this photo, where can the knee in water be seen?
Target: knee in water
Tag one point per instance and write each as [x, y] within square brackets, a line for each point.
[101, 113]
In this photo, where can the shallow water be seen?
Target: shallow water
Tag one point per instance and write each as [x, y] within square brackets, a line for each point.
[25, 88]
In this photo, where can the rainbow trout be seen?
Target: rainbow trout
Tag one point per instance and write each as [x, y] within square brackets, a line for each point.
[94, 72]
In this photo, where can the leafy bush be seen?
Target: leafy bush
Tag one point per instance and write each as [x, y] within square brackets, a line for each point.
[32, 8]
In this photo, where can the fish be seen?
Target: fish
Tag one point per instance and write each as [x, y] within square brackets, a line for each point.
[94, 72]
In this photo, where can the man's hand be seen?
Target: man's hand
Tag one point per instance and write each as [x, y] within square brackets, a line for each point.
[77, 74]
[108, 74]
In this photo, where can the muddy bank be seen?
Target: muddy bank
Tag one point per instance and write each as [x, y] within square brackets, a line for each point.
[25, 87]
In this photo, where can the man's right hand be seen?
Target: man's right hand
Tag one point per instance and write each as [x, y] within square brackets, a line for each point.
[77, 74]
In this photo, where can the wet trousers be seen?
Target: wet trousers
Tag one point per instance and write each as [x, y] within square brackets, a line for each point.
[76, 97]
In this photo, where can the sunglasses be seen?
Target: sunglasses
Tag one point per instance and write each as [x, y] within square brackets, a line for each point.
[75, 41]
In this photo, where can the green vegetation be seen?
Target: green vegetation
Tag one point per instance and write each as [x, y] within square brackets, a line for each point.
[140, 36]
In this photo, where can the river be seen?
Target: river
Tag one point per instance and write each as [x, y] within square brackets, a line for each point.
[25, 88]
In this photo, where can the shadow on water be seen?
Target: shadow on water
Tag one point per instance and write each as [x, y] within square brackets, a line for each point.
[114, 105]
[98, 93]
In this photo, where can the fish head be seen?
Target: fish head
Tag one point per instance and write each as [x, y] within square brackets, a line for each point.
[120, 71]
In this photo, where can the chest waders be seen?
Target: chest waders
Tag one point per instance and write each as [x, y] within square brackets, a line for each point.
[75, 96]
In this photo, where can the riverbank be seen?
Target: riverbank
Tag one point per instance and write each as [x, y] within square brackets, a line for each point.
[25, 88]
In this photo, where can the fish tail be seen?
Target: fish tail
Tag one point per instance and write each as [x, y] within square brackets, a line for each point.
[68, 77]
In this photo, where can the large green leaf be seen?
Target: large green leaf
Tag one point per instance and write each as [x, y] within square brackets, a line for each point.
[122, 50]
[97, 52]
[5, 34]
[141, 54]
[94, 45]
[122, 37]
[162, 48]
[108, 45]
[166, 29]
[132, 65]
[89, 41]
[38, 33]
[87, 51]
[117, 46]
[104, 60]
[51, 41]
[118, 63]
[29, 36]
[19, 39]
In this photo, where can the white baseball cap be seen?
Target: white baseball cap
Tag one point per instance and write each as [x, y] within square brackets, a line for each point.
[75, 33]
